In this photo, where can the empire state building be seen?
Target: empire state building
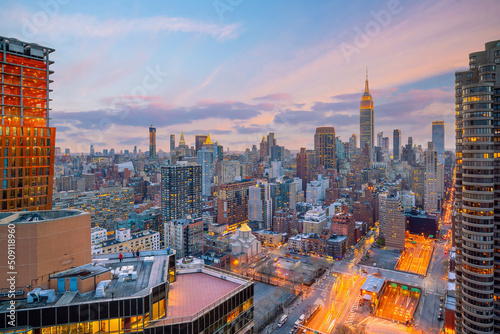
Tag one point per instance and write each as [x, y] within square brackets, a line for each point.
[366, 119]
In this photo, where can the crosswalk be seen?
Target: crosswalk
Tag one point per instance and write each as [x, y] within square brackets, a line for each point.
[354, 308]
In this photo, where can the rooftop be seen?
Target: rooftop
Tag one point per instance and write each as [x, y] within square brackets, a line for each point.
[197, 288]
[151, 271]
[373, 284]
[113, 241]
[38, 216]
[193, 292]
[337, 238]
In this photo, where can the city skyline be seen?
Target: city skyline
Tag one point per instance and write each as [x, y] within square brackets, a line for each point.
[304, 83]
[339, 238]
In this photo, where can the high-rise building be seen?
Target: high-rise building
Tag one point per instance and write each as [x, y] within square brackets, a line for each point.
[366, 118]
[135, 150]
[477, 93]
[278, 153]
[260, 208]
[417, 184]
[28, 157]
[438, 139]
[271, 141]
[205, 160]
[185, 236]
[324, 145]
[431, 180]
[152, 142]
[199, 140]
[172, 143]
[392, 222]
[92, 151]
[385, 144]
[396, 145]
[232, 204]
[380, 136]
[304, 166]
[353, 141]
[180, 191]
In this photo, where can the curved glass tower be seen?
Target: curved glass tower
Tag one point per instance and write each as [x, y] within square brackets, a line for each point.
[477, 188]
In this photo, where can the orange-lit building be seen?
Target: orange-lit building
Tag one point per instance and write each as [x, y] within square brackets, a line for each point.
[26, 140]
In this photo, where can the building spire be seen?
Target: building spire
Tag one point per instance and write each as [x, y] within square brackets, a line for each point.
[181, 140]
[208, 141]
[367, 90]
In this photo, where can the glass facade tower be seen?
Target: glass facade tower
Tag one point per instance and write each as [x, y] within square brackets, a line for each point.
[477, 115]
[26, 140]
[438, 139]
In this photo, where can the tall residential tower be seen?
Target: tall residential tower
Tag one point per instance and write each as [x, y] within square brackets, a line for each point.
[477, 93]
[27, 141]
[396, 144]
[324, 145]
[180, 191]
[152, 142]
[438, 139]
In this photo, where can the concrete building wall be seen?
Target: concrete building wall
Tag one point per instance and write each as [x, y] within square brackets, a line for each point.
[45, 247]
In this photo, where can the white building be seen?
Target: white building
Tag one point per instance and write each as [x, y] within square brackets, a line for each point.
[244, 245]
[315, 221]
[407, 200]
[98, 234]
[126, 242]
[434, 181]
[315, 191]
[276, 170]
[230, 171]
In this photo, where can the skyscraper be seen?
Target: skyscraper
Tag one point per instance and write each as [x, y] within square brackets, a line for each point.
[199, 140]
[180, 191]
[92, 151]
[172, 143]
[392, 222]
[304, 166]
[396, 144]
[380, 137]
[438, 139]
[477, 93]
[26, 139]
[233, 204]
[182, 142]
[353, 141]
[324, 145]
[152, 142]
[271, 141]
[206, 161]
[366, 118]
[431, 179]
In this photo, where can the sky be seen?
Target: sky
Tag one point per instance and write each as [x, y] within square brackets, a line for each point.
[240, 69]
